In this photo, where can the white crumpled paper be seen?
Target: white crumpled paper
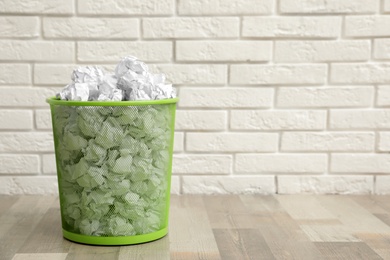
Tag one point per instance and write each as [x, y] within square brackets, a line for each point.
[131, 81]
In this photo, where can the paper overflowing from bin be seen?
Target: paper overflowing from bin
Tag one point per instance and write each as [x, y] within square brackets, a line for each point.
[131, 81]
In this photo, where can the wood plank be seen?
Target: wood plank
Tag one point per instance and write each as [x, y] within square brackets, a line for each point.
[353, 216]
[44, 256]
[369, 203]
[158, 250]
[380, 243]
[224, 204]
[283, 234]
[261, 204]
[47, 236]
[286, 240]
[323, 222]
[242, 244]
[230, 212]
[190, 233]
[244, 227]
[24, 206]
[347, 250]
[262, 216]
[329, 233]
[18, 223]
[241, 221]
[304, 207]
[6, 202]
[385, 218]
[383, 201]
[88, 252]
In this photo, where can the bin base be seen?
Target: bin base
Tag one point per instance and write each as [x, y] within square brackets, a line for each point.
[112, 241]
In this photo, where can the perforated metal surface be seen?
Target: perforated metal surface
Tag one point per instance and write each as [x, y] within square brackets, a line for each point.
[114, 167]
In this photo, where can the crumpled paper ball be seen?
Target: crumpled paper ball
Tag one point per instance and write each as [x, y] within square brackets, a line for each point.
[131, 81]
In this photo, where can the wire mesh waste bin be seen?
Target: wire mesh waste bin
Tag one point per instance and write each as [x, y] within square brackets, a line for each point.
[114, 161]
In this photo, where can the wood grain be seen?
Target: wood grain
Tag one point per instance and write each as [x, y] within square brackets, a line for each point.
[158, 250]
[242, 244]
[353, 215]
[47, 236]
[21, 220]
[347, 251]
[6, 202]
[216, 227]
[380, 243]
[190, 233]
[304, 207]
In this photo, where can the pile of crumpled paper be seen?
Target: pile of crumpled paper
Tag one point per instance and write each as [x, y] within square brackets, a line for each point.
[131, 81]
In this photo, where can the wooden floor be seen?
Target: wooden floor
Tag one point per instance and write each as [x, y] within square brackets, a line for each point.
[216, 227]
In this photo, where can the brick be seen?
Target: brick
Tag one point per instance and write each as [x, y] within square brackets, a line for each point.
[362, 73]
[224, 7]
[200, 120]
[384, 142]
[229, 185]
[328, 141]
[193, 74]
[15, 74]
[382, 49]
[335, 96]
[191, 27]
[113, 51]
[25, 96]
[28, 185]
[43, 119]
[300, 27]
[175, 185]
[19, 164]
[202, 164]
[226, 97]
[37, 7]
[223, 50]
[332, 6]
[17, 50]
[16, 120]
[281, 163]
[360, 163]
[19, 27]
[232, 142]
[382, 185]
[322, 51]
[254, 74]
[278, 119]
[53, 74]
[360, 119]
[325, 184]
[387, 6]
[26, 142]
[178, 144]
[49, 164]
[126, 7]
[93, 28]
[367, 26]
[383, 97]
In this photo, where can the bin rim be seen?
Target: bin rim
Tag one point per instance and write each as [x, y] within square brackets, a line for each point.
[56, 101]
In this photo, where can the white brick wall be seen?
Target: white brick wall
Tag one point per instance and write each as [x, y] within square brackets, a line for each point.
[296, 27]
[329, 6]
[21, 50]
[276, 96]
[126, 7]
[223, 50]
[278, 74]
[225, 7]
